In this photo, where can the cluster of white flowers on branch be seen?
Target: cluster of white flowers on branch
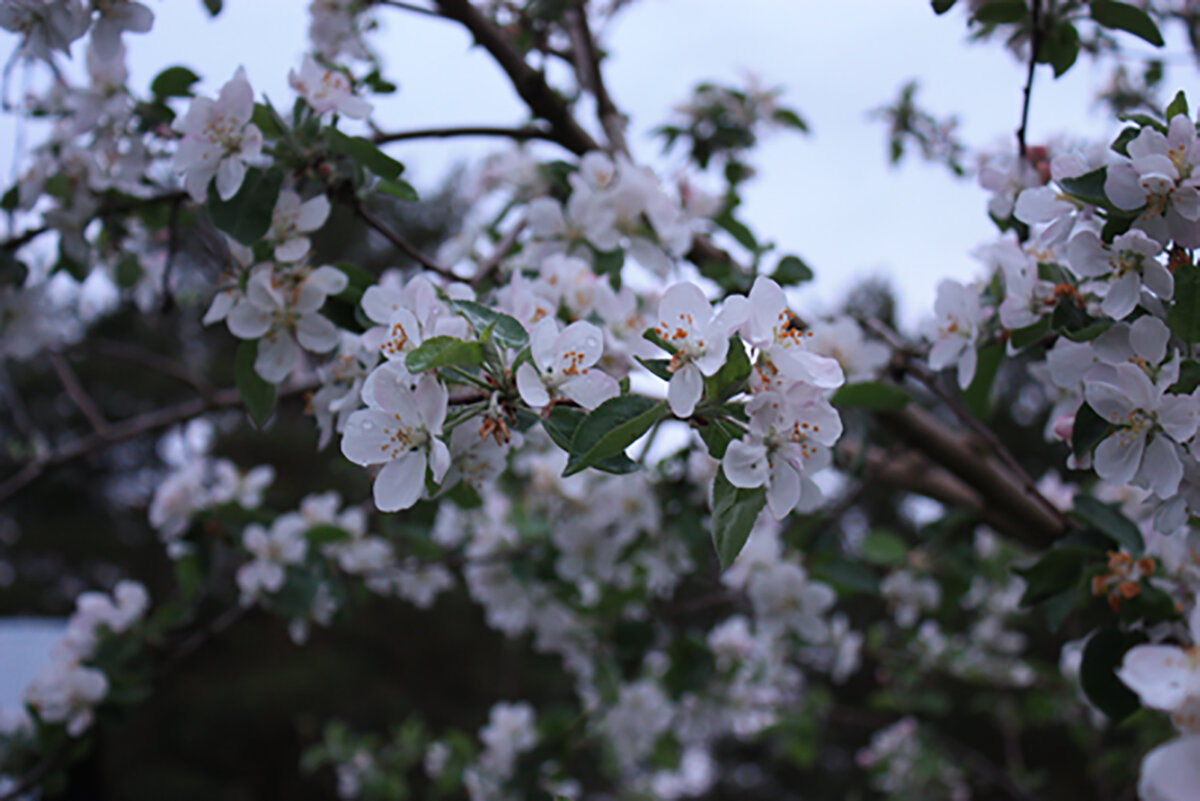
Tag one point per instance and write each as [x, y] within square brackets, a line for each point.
[612, 433]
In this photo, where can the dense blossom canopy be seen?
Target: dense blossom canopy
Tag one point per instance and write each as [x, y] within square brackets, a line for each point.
[590, 406]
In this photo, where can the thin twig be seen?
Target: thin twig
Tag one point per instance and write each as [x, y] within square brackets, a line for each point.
[130, 352]
[503, 248]
[587, 68]
[927, 377]
[60, 755]
[23, 238]
[172, 251]
[201, 637]
[520, 134]
[530, 84]
[78, 394]
[1035, 44]
[410, 7]
[402, 244]
[13, 400]
[14, 242]
[130, 428]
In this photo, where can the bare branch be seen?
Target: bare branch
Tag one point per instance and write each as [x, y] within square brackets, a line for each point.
[410, 7]
[503, 248]
[130, 352]
[1035, 44]
[130, 428]
[927, 377]
[26, 237]
[402, 244]
[522, 134]
[78, 394]
[530, 84]
[968, 459]
[587, 68]
[912, 471]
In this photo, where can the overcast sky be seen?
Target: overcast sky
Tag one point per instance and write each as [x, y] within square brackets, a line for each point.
[830, 197]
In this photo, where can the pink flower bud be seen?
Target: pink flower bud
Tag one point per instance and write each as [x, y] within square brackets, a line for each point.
[1064, 427]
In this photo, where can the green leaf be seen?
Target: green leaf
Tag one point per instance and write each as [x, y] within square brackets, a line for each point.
[717, 434]
[1002, 11]
[1030, 334]
[464, 496]
[444, 351]
[1088, 187]
[608, 262]
[378, 84]
[1178, 105]
[505, 329]
[189, 577]
[1088, 430]
[1089, 331]
[732, 374]
[1057, 608]
[738, 230]
[1102, 655]
[1060, 48]
[660, 367]
[268, 121]
[847, 576]
[1128, 18]
[257, 393]
[734, 513]
[1144, 120]
[11, 199]
[247, 215]
[942, 6]
[325, 534]
[364, 152]
[214, 6]
[174, 82]
[359, 281]
[1109, 521]
[789, 118]
[562, 424]
[611, 428]
[1127, 135]
[1059, 569]
[978, 396]
[876, 395]
[1189, 378]
[792, 270]
[129, 271]
[652, 335]
[883, 547]
[398, 189]
[1184, 314]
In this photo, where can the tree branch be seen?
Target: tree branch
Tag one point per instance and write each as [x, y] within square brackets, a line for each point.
[145, 357]
[969, 460]
[988, 437]
[503, 248]
[913, 471]
[1035, 44]
[429, 12]
[78, 394]
[530, 84]
[521, 134]
[14, 242]
[587, 68]
[130, 428]
[402, 244]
